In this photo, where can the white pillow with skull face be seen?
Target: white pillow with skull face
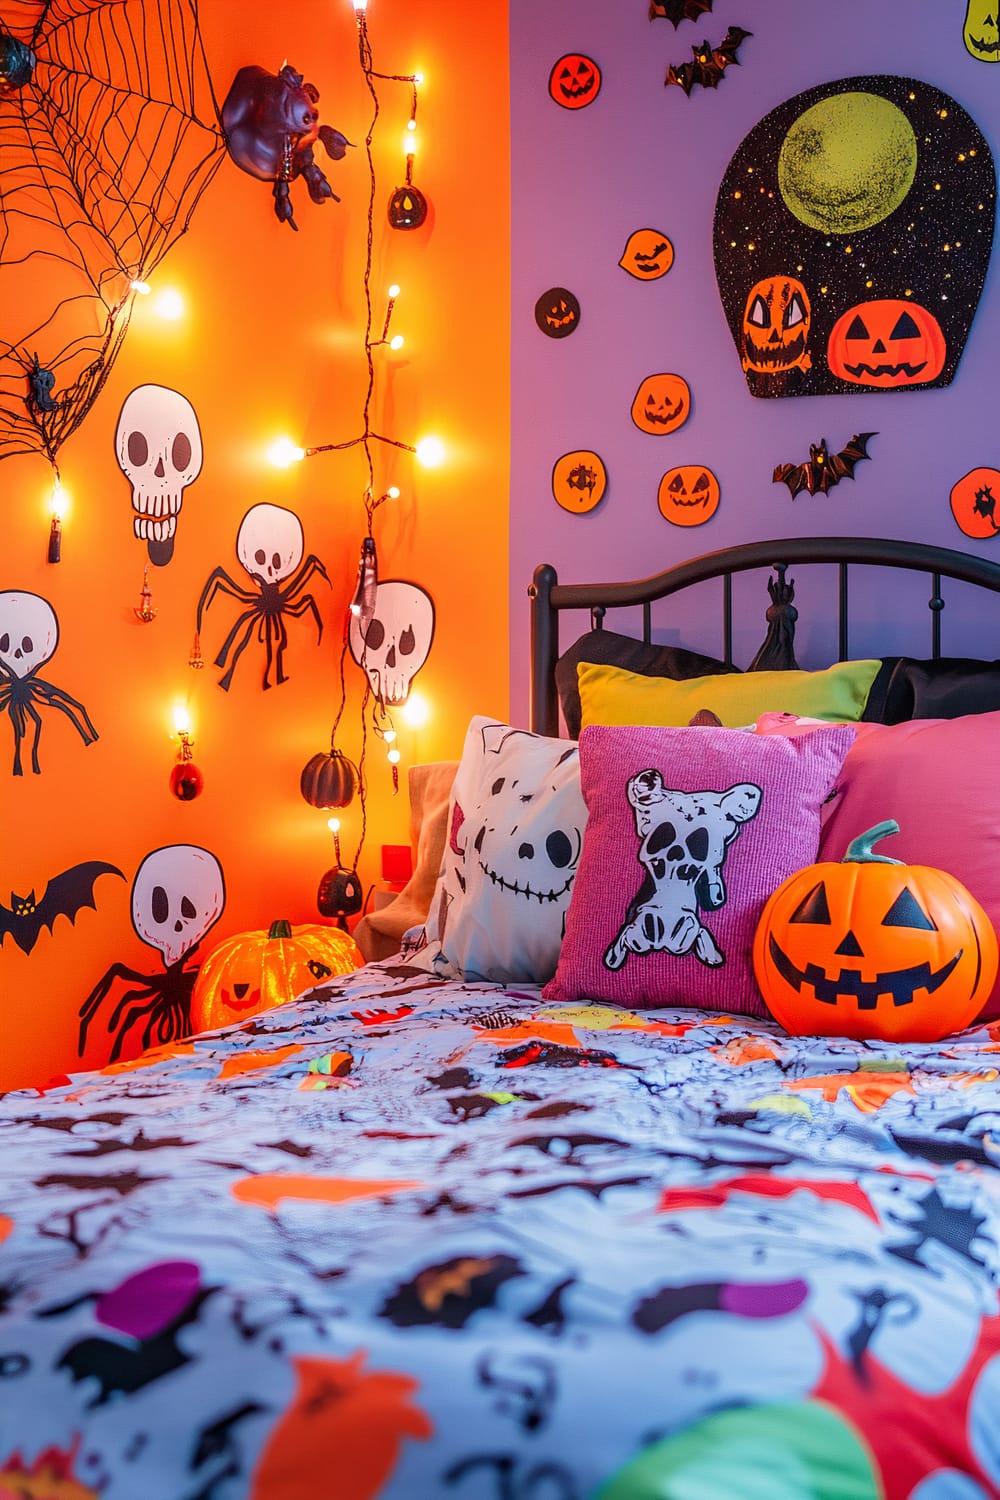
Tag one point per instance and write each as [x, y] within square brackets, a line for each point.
[515, 831]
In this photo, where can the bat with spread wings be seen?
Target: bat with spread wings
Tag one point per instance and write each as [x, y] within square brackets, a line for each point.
[678, 10]
[709, 63]
[64, 896]
[824, 469]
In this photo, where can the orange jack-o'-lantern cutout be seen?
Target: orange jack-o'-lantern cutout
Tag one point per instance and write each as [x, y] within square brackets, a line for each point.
[888, 343]
[776, 324]
[579, 480]
[661, 404]
[872, 947]
[974, 501]
[648, 254]
[688, 495]
[254, 971]
[575, 81]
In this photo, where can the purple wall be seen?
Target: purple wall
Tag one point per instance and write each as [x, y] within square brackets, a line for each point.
[644, 154]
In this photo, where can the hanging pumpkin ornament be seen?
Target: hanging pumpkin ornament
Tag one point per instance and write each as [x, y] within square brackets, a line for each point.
[873, 947]
[329, 780]
[255, 971]
[407, 207]
[339, 895]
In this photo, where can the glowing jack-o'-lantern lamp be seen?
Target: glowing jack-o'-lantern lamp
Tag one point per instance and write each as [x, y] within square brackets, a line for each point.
[872, 947]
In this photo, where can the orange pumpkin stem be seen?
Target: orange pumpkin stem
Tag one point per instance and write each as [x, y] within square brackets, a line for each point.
[859, 850]
[282, 928]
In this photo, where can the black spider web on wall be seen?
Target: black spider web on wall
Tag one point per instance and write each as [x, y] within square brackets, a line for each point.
[104, 154]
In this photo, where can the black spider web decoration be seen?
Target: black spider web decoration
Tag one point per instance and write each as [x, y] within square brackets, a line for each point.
[109, 135]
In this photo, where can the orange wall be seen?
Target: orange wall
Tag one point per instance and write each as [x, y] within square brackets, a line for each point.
[272, 343]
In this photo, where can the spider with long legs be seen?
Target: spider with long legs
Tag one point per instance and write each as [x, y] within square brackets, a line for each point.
[270, 545]
[29, 634]
[177, 895]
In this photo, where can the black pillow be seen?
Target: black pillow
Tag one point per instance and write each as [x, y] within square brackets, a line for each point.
[905, 688]
[606, 649]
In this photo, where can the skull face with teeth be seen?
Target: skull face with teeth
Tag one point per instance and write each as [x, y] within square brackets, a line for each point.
[158, 444]
[685, 837]
[397, 641]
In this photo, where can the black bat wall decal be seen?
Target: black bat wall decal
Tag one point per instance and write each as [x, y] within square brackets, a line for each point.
[678, 10]
[824, 469]
[709, 62]
[64, 896]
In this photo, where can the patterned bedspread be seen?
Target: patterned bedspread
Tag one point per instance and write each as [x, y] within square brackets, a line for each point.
[412, 1238]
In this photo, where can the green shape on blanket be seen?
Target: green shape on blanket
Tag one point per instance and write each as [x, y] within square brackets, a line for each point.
[782, 1104]
[781, 1451]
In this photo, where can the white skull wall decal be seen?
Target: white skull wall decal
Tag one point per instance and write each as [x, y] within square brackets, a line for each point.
[398, 639]
[177, 895]
[29, 635]
[159, 450]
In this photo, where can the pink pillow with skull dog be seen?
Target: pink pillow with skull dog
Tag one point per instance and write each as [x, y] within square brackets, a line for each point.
[689, 831]
[515, 830]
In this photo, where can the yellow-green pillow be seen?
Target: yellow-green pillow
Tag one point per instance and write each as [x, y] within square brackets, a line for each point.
[609, 695]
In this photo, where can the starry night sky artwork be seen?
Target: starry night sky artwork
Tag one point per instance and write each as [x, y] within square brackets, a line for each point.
[853, 231]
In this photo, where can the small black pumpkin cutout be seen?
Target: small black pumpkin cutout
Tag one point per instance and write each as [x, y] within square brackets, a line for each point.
[329, 780]
[407, 207]
[339, 895]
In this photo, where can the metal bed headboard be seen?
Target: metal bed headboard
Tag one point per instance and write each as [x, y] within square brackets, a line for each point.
[549, 597]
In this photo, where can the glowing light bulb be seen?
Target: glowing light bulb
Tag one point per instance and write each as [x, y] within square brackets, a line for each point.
[360, 6]
[57, 503]
[169, 305]
[393, 291]
[333, 824]
[430, 452]
[392, 492]
[142, 287]
[397, 341]
[284, 452]
[57, 509]
[410, 139]
[182, 719]
[416, 711]
[394, 757]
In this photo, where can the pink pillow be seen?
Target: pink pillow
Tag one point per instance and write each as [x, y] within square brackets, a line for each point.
[688, 833]
[940, 780]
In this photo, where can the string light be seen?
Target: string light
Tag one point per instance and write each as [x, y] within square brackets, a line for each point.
[57, 510]
[186, 781]
[284, 452]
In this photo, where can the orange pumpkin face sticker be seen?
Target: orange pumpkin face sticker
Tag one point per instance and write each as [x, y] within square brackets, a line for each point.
[688, 495]
[575, 81]
[661, 404]
[579, 480]
[888, 343]
[776, 324]
[974, 501]
[648, 254]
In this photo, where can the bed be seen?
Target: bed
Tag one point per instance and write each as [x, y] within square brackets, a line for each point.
[419, 1234]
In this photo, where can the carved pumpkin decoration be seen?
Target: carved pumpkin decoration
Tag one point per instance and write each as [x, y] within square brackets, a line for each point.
[557, 313]
[688, 495]
[888, 343]
[872, 947]
[579, 480]
[981, 32]
[648, 254]
[661, 404]
[575, 81]
[974, 501]
[407, 208]
[776, 323]
[329, 780]
[255, 971]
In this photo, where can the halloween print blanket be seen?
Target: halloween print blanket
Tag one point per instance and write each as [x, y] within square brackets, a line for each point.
[411, 1238]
